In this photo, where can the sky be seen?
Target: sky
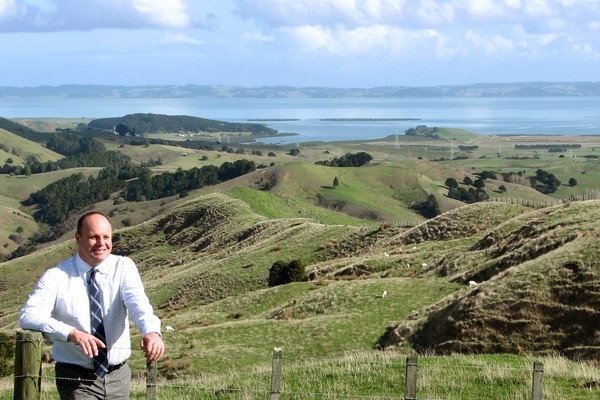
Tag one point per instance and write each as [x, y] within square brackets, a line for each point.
[333, 43]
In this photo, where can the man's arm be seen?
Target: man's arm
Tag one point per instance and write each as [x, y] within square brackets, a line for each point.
[141, 312]
[36, 314]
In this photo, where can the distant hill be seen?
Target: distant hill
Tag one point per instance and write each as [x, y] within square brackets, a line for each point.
[520, 89]
[156, 123]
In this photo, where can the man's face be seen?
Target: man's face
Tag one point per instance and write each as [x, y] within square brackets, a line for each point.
[95, 239]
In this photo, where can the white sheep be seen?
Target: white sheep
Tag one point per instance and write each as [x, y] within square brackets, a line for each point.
[472, 284]
[384, 293]
[424, 265]
[385, 253]
[169, 328]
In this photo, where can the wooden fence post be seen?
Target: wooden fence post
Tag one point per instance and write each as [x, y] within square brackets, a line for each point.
[28, 365]
[538, 374]
[276, 373]
[410, 390]
[151, 380]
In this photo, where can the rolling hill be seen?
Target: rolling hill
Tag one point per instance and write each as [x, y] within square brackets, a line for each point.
[537, 272]
[205, 258]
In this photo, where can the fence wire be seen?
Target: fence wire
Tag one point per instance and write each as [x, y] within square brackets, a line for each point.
[386, 371]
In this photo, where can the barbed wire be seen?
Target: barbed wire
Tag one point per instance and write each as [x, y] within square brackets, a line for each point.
[423, 363]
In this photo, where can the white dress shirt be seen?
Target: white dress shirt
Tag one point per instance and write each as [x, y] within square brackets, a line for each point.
[60, 302]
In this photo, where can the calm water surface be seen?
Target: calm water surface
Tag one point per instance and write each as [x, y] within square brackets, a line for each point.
[545, 115]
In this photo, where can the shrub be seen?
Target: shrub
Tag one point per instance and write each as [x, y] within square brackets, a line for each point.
[7, 354]
[282, 273]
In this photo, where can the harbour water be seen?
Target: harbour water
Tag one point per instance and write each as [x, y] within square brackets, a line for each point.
[343, 118]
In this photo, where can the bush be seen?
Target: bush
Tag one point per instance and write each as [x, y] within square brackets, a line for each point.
[7, 354]
[282, 273]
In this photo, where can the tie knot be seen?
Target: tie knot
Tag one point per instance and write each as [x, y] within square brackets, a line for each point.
[93, 272]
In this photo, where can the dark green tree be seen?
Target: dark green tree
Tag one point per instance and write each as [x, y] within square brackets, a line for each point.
[122, 129]
[451, 183]
[429, 208]
[336, 182]
[479, 183]
[282, 273]
[572, 182]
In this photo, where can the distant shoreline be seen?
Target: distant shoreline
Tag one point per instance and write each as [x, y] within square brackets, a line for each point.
[368, 119]
[506, 90]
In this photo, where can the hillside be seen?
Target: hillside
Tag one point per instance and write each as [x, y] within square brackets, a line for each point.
[142, 124]
[537, 272]
[539, 289]
[20, 149]
[205, 257]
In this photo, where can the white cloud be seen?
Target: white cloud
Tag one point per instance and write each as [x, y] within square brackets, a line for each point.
[432, 12]
[7, 7]
[496, 45]
[440, 28]
[171, 13]
[375, 41]
[594, 25]
[173, 38]
[64, 15]
[257, 37]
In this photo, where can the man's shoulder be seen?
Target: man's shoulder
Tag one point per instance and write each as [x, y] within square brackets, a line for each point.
[65, 265]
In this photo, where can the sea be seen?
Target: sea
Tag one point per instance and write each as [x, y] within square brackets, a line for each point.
[337, 119]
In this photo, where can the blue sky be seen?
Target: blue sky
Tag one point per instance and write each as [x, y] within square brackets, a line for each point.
[337, 43]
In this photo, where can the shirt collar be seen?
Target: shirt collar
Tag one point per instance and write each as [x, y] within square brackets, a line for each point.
[83, 267]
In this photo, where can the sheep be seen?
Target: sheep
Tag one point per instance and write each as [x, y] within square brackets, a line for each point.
[425, 266]
[472, 284]
[169, 328]
[385, 253]
[384, 293]
[407, 265]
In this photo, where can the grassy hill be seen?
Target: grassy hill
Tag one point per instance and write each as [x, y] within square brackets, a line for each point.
[205, 262]
[21, 150]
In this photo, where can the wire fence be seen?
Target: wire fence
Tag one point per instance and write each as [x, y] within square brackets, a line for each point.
[294, 377]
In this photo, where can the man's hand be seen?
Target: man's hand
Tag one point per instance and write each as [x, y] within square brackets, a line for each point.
[88, 343]
[153, 346]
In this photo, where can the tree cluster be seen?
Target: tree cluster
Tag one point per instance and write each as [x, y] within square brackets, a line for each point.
[546, 146]
[429, 208]
[89, 159]
[545, 182]
[60, 199]
[148, 187]
[423, 130]
[138, 124]
[282, 272]
[348, 160]
[467, 148]
[473, 194]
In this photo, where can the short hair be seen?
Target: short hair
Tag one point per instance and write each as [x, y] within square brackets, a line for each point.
[84, 217]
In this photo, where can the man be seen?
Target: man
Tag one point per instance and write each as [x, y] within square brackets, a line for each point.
[83, 306]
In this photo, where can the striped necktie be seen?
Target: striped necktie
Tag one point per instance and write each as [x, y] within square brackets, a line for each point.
[101, 360]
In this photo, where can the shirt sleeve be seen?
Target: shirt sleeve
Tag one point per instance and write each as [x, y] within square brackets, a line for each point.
[36, 314]
[136, 301]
